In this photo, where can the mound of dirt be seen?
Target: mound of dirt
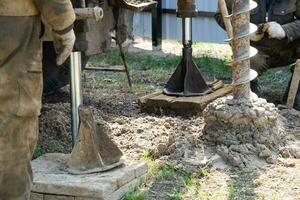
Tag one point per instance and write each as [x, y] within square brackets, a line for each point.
[246, 133]
[174, 138]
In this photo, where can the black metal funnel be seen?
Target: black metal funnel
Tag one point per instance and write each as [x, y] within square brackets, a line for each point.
[187, 79]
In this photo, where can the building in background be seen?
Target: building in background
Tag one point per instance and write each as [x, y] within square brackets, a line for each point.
[205, 29]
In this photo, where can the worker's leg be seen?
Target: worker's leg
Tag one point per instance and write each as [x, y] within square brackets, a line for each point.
[260, 63]
[17, 142]
[20, 97]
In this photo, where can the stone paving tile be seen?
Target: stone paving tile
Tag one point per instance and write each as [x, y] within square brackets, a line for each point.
[50, 177]
[36, 196]
[55, 197]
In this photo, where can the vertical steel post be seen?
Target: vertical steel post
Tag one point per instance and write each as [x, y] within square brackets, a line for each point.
[82, 3]
[157, 24]
[76, 93]
[187, 31]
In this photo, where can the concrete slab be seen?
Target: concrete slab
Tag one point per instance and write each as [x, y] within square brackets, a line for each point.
[52, 180]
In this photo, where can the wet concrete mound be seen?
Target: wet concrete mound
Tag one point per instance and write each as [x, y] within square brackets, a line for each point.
[245, 132]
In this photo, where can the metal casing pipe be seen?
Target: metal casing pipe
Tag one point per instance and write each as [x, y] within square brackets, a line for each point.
[76, 93]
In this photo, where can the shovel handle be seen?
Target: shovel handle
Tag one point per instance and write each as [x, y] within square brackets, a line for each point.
[294, 86]
[226, 19]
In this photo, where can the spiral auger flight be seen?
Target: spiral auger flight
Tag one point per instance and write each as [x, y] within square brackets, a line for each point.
[242, 29]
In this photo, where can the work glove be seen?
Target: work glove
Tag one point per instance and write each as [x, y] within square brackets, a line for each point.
[255, 37]
[274, 30]
[63, 44]
[258, 35]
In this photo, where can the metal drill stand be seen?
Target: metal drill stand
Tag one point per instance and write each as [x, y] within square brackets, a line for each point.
[187, 79]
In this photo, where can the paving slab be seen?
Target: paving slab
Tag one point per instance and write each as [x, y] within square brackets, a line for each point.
[52, 179]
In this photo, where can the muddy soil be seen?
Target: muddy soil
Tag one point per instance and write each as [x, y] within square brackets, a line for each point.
[169, 138]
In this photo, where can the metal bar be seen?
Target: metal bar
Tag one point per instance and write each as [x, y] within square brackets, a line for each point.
[76, 93]
[157, 24]
[187, 31]
[123, 57]
[89, 13]
[173, 12]
[104, 69]
[122, 54]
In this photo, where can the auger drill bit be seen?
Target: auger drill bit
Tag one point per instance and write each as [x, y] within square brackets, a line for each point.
[93, 150]
[242, 29]
[187, 79]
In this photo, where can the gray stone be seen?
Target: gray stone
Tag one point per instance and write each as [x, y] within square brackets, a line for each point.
[291, 150]
[162, 149]
[218, 162]
[140, 170]
[36, 196]
[50, 177]
[265, 154]
[125, 188]
[126, 176]
[260, 111]
[58, 197]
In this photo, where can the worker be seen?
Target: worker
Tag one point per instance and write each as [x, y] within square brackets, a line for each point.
[21, 83]
[277, 38]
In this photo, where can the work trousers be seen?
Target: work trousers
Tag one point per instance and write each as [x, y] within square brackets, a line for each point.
[20, 102]
[275, 56]
[272, 57]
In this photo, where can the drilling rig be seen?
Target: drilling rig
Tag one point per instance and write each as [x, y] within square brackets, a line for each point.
[96, 20]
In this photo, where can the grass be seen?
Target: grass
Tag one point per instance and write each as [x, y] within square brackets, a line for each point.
[38, 152]
[174, 195]
[51, 148]
[135, 195]
[180, 181]
[150, 72]
[242, 185]
[167, 172]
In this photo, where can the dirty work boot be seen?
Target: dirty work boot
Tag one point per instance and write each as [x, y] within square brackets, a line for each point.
[297, 99]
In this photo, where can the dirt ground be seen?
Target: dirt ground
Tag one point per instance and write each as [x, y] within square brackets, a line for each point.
[167, 139]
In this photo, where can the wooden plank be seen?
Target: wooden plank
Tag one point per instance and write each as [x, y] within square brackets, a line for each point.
[294, 86]
[118, 68]
[158, 102]
[149, 96]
